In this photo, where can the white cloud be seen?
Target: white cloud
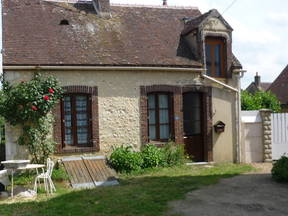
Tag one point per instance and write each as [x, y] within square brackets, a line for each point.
[281, 18]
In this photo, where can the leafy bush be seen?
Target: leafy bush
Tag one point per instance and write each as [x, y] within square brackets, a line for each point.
[280, 170]
[123, 159]
[174, 154]
[259, 100]
[152, 156]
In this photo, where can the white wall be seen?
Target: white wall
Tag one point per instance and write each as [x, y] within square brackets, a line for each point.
[252, 137]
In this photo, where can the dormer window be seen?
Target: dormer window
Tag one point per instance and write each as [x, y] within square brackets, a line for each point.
[215, 56]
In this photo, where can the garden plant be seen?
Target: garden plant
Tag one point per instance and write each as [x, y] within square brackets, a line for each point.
[29, 104]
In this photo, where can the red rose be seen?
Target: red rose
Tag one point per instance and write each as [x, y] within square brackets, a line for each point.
[46, 98]
[34, 108]
[51, 90]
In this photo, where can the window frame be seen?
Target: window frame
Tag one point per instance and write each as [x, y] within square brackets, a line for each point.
[74, 120]
[157, 116]
[212, 42]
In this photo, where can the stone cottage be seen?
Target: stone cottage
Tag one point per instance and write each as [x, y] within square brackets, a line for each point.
[257, 85]
[132, 75]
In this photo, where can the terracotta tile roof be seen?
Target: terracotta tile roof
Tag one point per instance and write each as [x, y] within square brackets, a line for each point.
[194, 22]
[280, 86]
[135, 36]
[265, 85]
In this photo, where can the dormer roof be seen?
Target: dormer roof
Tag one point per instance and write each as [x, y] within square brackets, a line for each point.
[194, 23]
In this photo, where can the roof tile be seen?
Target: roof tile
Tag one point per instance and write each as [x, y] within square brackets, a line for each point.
[133, 36]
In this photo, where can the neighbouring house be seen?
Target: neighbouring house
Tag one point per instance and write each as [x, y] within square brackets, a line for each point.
[132, 75]
[280, 88]
[257, 85]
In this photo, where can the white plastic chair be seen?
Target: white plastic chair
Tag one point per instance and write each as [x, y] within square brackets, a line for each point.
[46, 176]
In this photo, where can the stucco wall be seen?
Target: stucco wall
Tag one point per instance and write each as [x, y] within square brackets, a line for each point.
[223, 109]
[252, 137]
[118, 98]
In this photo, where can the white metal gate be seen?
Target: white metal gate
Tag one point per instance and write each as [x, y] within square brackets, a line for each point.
[279, 134]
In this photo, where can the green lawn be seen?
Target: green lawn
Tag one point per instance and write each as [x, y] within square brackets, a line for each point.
[138, 194]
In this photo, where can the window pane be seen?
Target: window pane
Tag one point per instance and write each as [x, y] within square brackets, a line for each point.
[192, 113]
[67, 104]
[152, 132]
[196, 127]
[163, 101]
[193, 99]
[196, 115]
[208, 58]
[82, 135]
[67, 121]
[68, 136]
[151, 101]
[217, 55]
[76, 109]
[164, 116]
[164, 131]
[82, 119]
[152, 119]
[81, 103]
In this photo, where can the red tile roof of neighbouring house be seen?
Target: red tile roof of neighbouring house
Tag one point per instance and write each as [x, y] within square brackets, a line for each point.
[265, 85]
[134, 36]
[280, 86]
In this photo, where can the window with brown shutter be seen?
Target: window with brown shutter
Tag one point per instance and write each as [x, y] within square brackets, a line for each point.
[215, 56]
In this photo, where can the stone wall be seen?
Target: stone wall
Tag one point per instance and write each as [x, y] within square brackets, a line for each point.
[119, 104]
[267, 134]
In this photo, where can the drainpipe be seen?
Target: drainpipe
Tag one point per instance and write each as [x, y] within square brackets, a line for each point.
[240, 74]
[237, 107]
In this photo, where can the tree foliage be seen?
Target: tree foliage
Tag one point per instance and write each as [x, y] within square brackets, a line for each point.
[259, 100]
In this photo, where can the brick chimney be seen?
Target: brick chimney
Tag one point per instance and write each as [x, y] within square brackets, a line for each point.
[102, 8]
[165, 3]
[257, 80]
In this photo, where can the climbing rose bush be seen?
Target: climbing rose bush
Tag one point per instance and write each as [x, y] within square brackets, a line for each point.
[28, 104]
[29, 101]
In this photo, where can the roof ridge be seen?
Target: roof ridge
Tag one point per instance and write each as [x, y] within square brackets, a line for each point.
[129, 5]
[154, 6]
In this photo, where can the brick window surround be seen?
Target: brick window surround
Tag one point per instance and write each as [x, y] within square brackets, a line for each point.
[57, 130]
[177, 92]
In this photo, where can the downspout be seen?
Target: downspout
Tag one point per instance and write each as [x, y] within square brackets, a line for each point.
[237, 107]
[240, 74]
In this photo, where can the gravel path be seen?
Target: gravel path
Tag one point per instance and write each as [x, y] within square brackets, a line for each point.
[251, 194]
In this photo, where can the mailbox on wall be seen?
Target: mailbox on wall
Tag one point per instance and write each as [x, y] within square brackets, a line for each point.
[219, 127]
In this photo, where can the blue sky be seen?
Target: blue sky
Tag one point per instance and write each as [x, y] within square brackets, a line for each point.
[259, 36]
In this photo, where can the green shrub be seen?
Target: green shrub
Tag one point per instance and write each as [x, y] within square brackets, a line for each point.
[124, 160]
[174, 154]
[59, 174]
[152, 156]
[280, 170]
